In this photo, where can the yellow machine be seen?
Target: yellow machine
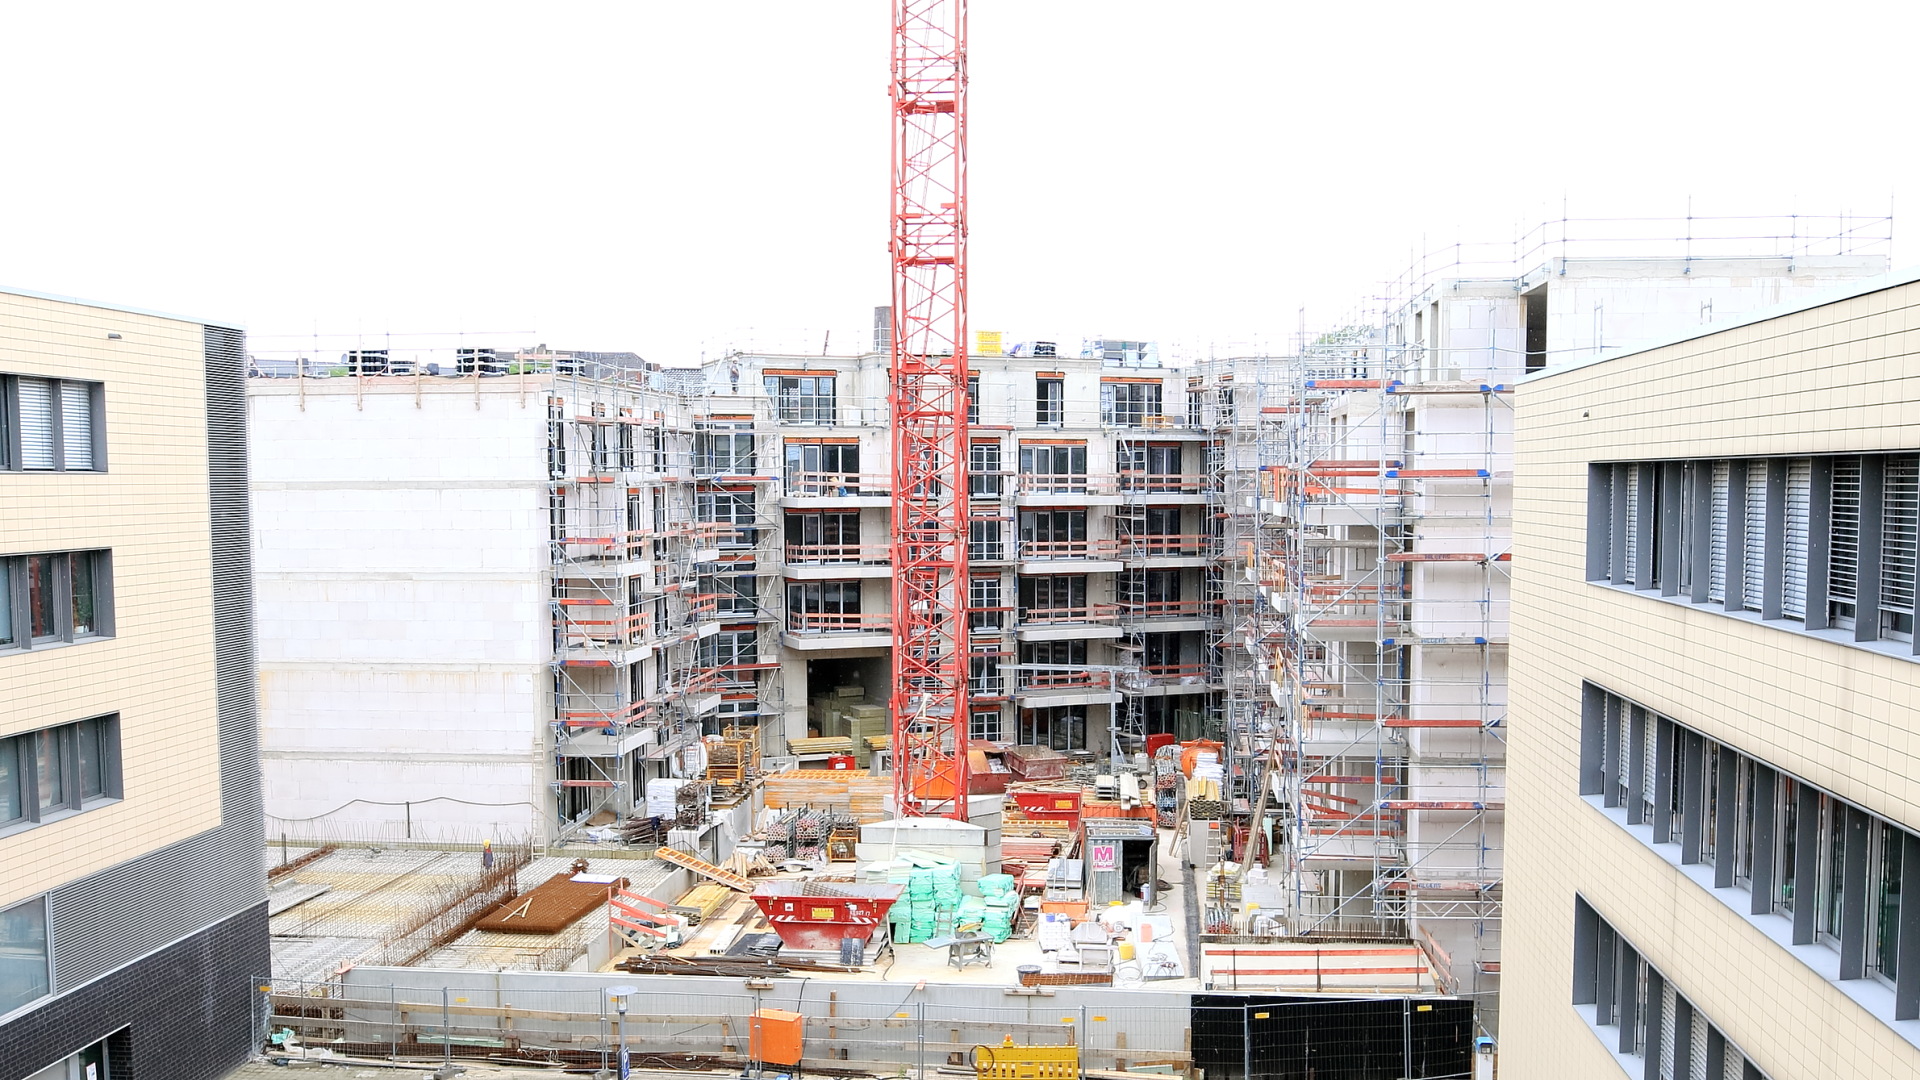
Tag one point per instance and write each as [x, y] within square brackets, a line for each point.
[1010, 1062]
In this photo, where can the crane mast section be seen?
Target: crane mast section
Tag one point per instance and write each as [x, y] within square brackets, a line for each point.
[928, 406]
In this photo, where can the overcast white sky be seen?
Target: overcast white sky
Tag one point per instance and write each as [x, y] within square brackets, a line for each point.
[673, 177]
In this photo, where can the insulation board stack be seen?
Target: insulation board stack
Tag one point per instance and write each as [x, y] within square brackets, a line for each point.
[1000, 903]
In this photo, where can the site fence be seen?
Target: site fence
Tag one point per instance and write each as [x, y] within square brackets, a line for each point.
[883, 1029]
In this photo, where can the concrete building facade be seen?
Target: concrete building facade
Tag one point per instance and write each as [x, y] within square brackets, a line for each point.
[480, 614]
[1093, 556]
[1715, 839]
[132, 900]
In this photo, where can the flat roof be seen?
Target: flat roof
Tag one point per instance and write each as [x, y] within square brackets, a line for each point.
[1820, 298]
[36, 294]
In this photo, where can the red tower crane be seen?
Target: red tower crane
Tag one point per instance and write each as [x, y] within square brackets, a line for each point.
[928, 404]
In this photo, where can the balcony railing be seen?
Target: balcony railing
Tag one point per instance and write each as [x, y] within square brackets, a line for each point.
[812, 622]
[987, 686]
[1164, 545]
[1132, 480]
[603, 710]
[577, 628]
[1165, 609]
[835, 485]
[1096, 614]
[1053, 680]
[1166, 675]
[838, 554]
[1069, 549]
[1129, 482]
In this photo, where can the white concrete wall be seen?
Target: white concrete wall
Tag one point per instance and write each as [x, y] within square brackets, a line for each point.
[402, 597]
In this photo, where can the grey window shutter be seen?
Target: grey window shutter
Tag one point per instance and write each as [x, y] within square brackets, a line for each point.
[36, 423]
[76, 425]
[1799, 514]
[1900, 536]
[1717, 558]
[1754, 558]
[1843, 559]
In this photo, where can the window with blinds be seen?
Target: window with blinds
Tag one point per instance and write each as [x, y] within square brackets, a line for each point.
[1793, 604]
[1650, 750]
[34, 398]
[1753, 556]
[1630, 518]
[1633, 519]
[1717, 528]
[1610, 974]
[76, 427]
[1697, 1060]
[1899, 539]
[1669, 1000]
[53, 421]
[1843, 552]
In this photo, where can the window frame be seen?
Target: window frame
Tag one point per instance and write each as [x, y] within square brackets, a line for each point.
[1049, 401]
[12, 448]
[44, 941]
[1821, 545]
[812, 398]
[1769, 845]
[26, 774]
[16, 595]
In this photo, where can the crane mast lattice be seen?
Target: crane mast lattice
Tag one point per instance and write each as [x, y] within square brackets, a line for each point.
[927, 399]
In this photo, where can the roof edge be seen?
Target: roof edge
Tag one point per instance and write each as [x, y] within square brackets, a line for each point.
[1821, 298]
[231, 324]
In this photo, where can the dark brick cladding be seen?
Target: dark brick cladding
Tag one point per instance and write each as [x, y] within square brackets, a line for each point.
[188, 1010]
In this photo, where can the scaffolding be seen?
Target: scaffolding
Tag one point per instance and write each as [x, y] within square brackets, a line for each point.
[1367, 498]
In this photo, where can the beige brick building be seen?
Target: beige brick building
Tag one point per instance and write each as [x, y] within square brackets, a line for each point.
[132, 900]
[1714, 855]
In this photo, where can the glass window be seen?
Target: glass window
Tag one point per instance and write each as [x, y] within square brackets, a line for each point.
[50, 778]
[6, 603]
[973, 399]
[23, 955]
[1884, 919]
[1832, 869]
[1050, 401]
[13, 805]
[89, 740]
[40, 604]
[81, 564]
[802, 399]
[1786, 870]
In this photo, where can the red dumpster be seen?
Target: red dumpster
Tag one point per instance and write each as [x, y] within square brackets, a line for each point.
[820, 915]
[1049, 805]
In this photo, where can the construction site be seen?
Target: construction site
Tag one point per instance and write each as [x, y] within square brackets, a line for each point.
[961, 693]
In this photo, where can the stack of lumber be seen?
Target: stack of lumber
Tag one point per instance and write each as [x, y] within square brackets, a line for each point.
[705, 898]
[1032, 850]
[829, 744]
[863, 796]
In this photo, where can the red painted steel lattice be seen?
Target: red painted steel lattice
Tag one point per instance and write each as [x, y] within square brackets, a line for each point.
[928, 406]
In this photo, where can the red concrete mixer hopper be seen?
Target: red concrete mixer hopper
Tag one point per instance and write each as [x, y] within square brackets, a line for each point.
[818, 915]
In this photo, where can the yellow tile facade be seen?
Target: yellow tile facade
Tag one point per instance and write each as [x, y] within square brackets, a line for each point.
[151, 509]
[1835, 378]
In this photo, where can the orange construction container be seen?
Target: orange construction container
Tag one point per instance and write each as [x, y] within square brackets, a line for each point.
[775, 1037]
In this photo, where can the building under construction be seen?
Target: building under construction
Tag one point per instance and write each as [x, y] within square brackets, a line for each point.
[1367, 540]
[1237, 633]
